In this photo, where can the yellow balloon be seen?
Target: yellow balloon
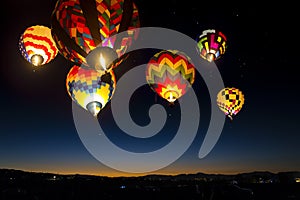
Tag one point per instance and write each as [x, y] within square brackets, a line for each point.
[90, 89]
[230, 101]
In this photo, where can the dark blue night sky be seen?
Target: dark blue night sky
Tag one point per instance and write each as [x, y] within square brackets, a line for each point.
[37, 128]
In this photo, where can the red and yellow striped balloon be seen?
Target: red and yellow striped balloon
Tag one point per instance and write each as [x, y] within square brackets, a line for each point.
[170, 73]
[37, 45]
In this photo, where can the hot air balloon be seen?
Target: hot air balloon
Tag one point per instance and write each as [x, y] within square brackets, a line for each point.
[37, 45]
[170, 73]
[211, 44]
[230, 101]
[89, 88]
[78, 27]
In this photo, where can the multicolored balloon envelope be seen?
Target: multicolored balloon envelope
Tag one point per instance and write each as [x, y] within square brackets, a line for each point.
[211, 44]
[90, 89]
[78, 27]
[170, 74]
[230, 101]
[37, 45]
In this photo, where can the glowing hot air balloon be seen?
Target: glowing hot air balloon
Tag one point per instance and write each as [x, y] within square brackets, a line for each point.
[211, 44]
[37, 46]
[170, 74]
[90, 89]
[230, 101]
[78, 27]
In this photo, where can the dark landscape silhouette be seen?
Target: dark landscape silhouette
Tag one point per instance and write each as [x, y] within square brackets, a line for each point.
[18, 184]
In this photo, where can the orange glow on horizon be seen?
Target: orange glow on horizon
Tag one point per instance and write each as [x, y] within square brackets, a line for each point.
[116, 174]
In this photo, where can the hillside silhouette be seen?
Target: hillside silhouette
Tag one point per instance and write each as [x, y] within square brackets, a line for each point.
[18, 184]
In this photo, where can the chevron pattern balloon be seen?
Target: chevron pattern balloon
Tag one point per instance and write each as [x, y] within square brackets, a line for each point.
[37, 45]
[80, 26]
[170, 74]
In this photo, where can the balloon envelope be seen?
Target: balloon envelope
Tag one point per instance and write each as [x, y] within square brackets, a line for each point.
[90, 89]
[230, 101]
[170, 74]
[79, 26]
[211, 44]
[37, 45]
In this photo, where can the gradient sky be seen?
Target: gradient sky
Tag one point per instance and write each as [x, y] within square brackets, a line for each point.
[37, 128]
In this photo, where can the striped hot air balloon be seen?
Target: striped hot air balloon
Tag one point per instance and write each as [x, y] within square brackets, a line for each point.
[230, 101]
[37, 46]
[170, 74]
[78, 27]
[90, 89]
[211, 44]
